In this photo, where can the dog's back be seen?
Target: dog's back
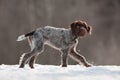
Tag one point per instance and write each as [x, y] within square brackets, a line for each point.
[56, 37]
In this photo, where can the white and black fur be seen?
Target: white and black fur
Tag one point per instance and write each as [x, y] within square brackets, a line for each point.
[60, 39]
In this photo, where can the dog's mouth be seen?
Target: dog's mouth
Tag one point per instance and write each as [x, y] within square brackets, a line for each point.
[82, 32]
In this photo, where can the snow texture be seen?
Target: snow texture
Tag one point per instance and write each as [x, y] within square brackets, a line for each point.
[49, 72]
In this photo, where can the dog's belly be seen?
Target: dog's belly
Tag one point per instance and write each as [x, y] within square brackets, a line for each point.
[53, 46]
[56, 45]
[59, 44]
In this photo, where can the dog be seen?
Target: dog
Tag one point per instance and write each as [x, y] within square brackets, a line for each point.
[64, 40]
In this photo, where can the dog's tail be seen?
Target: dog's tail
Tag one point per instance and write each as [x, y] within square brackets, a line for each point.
[23, 37]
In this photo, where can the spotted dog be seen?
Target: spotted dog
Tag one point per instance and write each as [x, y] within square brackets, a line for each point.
[64, 40]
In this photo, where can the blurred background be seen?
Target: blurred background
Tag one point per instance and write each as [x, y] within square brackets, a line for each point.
[22, 16]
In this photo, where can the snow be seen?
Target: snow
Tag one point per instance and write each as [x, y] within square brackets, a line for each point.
[51, 72]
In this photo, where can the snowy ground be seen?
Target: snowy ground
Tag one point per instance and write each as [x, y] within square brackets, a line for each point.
[49, 72]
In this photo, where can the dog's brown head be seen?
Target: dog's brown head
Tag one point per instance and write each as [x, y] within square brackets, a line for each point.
[80, 28]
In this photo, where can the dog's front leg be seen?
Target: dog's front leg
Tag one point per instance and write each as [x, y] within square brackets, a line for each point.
[64, 57]
[79, 58]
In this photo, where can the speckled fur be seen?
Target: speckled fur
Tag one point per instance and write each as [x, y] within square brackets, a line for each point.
[59, 38]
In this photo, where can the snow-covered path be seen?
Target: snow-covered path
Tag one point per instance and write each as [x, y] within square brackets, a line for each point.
[49, 72]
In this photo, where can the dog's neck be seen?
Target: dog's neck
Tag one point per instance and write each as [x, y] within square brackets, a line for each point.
[74, 37]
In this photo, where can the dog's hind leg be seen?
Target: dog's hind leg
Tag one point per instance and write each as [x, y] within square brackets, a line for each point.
[36, 43]
[25, 57]
[32, 61]
[34, 57]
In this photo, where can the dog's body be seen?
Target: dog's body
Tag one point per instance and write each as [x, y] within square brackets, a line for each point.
[64, 40]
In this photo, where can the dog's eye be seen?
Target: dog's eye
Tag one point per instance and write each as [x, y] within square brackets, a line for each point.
[82, 28]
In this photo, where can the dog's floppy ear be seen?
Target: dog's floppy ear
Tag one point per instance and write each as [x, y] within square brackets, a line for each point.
[74, 28]
[89, 29]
